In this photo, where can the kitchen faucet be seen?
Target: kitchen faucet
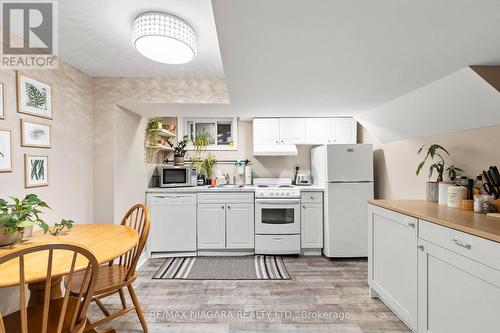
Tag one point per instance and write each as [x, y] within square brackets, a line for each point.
[227, 178]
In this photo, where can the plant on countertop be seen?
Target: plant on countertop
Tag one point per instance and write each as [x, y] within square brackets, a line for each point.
[207, 165]
[453, 171]
[200, 143]
[433, 150]
[16, 216]
[180, 149]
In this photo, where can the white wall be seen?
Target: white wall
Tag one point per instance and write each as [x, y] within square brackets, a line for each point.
[460, 101]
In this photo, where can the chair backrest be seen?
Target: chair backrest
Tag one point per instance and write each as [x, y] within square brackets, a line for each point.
[71, 318]
[137, 218]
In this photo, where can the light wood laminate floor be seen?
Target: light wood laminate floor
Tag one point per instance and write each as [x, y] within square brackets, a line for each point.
[333, 288]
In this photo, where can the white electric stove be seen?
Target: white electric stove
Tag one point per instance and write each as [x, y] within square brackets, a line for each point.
[277, 216]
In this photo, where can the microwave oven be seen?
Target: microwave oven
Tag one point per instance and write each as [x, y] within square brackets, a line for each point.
[178, 176]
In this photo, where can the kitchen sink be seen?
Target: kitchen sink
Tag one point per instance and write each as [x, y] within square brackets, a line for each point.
[227, 186]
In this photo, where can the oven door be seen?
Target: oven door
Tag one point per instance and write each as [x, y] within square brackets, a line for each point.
[277, 216]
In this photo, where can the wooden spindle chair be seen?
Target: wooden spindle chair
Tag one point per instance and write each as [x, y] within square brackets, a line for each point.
[66, 314]
[114, 277]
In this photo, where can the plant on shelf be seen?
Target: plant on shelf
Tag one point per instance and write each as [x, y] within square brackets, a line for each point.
[207, 165]
[179, 150]
[433, 151]
[453, 171]
[21, 214]
[153, 125]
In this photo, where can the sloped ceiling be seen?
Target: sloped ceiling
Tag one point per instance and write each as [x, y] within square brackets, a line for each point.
[462, 100]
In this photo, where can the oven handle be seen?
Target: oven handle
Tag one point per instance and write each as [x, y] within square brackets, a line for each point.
[278, 201]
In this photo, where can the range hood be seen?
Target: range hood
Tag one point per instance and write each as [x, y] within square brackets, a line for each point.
[274, 150]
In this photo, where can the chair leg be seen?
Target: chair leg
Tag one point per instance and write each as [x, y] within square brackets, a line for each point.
[122, 298]
[138, 309]
[102, 307]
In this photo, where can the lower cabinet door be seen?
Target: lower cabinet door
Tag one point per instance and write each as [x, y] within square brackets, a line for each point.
[240, 226]
[211, 226]
[456, 294]
[311, 220]
[392, 261]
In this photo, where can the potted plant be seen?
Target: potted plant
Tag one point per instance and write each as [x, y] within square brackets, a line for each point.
[453, 171]
[179, 150]
[433, 151]
[153, 125]
[21, 214]
[200, 143]
[208, 164]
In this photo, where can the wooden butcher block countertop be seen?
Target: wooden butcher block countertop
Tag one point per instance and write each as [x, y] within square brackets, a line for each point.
[455, 218]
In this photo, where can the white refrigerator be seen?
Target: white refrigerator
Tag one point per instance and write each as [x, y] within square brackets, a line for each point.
[346, 172]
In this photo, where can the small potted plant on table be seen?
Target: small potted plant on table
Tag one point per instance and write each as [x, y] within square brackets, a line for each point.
[18, 216]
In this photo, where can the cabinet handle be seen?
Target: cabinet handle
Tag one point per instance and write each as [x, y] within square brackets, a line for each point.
[462, 244]
[421, 247]
[228, 207]
[222, 206]
[304, 206]
[411, 225]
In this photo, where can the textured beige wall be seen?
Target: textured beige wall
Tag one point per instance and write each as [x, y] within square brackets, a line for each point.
[70, 159]
[70, 189]
[395, 163]
[120, 172]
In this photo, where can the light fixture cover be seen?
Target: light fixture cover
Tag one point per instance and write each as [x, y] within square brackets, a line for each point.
[164, 37]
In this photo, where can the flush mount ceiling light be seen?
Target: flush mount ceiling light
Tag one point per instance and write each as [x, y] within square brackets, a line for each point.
[164, 37]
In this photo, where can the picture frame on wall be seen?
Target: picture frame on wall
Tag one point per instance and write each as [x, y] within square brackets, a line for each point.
[35, 135]
[2, 101]
[36, 170]
[5, 151]
[34, 97]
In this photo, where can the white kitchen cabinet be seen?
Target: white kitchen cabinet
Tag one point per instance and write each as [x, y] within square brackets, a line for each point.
[292, 130]
[456, 294]
[266, 131]
[392, 261]
[311, 219]
[211, 226]
[173, 223]
[317, 131]
[240, 226]
[343, 131]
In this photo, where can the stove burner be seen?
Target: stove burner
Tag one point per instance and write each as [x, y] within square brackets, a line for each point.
[262, 185]
[285, 186]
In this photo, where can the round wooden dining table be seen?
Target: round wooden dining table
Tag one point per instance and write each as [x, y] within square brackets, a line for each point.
[105, 241]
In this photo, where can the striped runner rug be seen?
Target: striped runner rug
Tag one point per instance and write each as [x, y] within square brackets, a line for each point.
[257, 267]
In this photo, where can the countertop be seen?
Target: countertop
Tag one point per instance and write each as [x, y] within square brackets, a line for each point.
[207, 189]
[455, 218]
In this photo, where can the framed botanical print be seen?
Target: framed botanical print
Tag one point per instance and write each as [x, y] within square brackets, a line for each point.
[2, 101]
[33, 97]
[5, 151]
[35, 134]
[36, 170]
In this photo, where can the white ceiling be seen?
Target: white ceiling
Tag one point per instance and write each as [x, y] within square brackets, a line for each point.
[299, 57]
[96, 37]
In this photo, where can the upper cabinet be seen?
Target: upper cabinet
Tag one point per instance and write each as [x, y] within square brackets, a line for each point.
[343, 130]
[266, 131]
[318, 131]
[311, 131]
[292, 130]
